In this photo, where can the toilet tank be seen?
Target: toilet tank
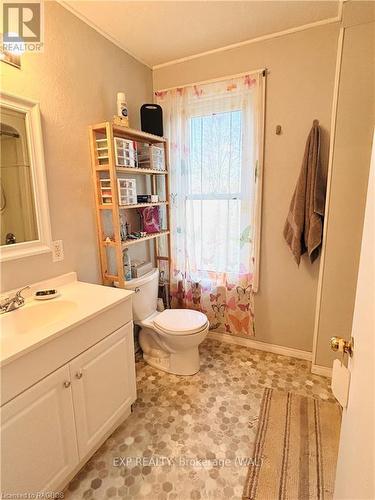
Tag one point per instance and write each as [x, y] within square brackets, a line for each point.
[146, 294]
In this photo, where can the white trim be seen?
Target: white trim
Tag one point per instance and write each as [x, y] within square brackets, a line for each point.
[38, 173]
[340, 44]
[101, 32]
[259, 197]
[260, 346]
[324, 371]
[262, 38]
[214, 80]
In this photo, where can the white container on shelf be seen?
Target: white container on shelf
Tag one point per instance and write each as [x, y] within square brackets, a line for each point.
[125, 152]
[127, 191]
[151, 156]
[122, 107]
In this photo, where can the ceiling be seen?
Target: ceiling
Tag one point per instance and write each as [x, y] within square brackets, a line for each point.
[158, 32]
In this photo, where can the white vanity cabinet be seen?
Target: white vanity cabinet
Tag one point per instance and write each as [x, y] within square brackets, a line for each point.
[103, 386]
[50, 430]
[38, 437]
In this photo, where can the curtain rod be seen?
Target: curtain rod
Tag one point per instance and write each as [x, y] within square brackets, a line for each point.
[214, 80]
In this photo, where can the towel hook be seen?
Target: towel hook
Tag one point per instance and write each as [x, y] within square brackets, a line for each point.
[315, 122]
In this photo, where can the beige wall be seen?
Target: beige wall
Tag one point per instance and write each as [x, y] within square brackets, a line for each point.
[351, 161]
[357, 427]
[75, 80]
[299, 88]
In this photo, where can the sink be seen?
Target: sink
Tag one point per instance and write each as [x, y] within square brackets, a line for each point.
[40, 322]
[35, 315]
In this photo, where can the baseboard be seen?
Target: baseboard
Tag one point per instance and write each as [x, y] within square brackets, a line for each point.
[325, 371]
[261, 346]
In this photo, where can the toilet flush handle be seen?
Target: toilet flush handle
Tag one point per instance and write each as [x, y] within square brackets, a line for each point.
[137, 290]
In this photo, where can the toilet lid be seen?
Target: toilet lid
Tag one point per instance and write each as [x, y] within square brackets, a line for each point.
[180, 321]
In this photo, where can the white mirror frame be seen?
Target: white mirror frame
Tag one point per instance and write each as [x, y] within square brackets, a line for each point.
[38, 174]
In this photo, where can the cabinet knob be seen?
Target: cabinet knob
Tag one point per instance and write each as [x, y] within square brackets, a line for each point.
[79, 374]
[67, 384]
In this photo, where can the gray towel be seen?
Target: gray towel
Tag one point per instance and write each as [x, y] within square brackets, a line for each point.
[304, 224]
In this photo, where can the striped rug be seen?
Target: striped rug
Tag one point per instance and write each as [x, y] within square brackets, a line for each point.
[295, 449]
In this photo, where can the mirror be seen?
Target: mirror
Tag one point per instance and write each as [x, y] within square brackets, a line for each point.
[24, 215]
[17, 208]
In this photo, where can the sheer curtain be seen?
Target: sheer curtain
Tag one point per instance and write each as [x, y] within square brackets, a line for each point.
[215, 134]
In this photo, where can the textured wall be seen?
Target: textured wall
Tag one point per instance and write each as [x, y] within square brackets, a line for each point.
[351, 163]
[75, 80]
[299, 89]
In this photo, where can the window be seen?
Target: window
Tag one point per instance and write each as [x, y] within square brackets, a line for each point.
[216, 190]
[215, 133]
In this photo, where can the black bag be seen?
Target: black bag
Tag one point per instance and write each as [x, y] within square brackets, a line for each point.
[152, 119]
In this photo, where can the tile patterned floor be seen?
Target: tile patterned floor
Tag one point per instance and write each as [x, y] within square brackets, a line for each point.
[188, 437]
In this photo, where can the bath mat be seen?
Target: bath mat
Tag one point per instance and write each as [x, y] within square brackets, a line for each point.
[295, 450]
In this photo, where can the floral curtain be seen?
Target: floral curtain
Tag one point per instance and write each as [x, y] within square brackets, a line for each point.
[214, 132]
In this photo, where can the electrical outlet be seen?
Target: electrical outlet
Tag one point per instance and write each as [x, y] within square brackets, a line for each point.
[57, 251]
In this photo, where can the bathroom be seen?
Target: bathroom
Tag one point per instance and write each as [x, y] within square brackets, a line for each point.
[175, 410]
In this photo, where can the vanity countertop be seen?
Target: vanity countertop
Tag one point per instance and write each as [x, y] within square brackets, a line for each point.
[38, 322]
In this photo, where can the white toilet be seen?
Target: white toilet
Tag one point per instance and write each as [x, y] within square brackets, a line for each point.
[169, 339]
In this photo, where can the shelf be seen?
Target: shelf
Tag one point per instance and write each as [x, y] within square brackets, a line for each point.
[102, 168]
[130, 133]
[129, 243]
[132, 170]
[137, 170]
[141, 205]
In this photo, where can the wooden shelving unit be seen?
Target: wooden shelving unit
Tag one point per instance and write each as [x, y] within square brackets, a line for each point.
[108, 170]
[145, 238]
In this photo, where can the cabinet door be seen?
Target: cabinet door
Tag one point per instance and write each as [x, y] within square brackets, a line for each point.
[38, 436]
[103, 382]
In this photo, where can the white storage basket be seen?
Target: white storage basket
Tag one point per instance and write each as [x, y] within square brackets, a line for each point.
[125, 152]
[127, 191]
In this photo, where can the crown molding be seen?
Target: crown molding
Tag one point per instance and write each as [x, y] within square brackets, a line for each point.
[315, 24]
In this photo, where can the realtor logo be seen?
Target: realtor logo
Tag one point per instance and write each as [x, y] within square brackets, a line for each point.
[23, 26]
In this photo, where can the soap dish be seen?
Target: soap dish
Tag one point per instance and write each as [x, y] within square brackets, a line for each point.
[46, 294]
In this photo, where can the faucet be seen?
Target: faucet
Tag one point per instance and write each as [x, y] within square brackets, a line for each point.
[12, 303]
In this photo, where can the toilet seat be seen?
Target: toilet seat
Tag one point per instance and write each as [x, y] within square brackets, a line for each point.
[180, 321]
